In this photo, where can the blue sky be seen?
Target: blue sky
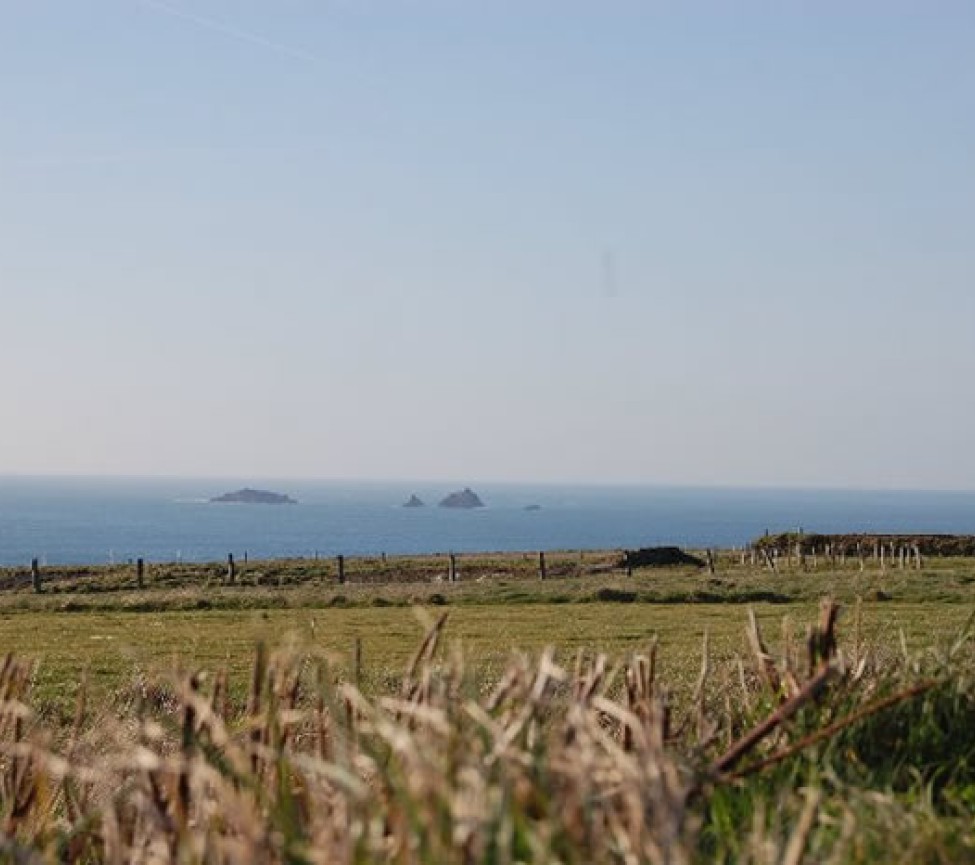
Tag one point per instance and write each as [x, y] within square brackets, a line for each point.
[696, 243]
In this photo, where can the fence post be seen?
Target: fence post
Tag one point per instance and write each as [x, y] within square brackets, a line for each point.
[35, 575]
[340, 564]
[452, 569]
[710, 556]
[541, 565]
[231, 569]
[140, 570]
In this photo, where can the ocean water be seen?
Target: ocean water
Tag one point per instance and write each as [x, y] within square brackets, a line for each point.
[74, 520]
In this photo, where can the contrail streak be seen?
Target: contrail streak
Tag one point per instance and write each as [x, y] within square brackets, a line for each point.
[232, 32]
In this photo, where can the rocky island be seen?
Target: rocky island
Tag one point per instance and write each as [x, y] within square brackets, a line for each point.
[248, 496]
[414, 501]
[465, 498]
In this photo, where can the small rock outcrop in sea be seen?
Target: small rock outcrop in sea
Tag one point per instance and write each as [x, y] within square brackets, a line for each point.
[414, 501]
[465, 498]
[248, 496]
[532, 507]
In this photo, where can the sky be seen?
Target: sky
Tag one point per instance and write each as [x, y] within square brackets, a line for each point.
[602, 242]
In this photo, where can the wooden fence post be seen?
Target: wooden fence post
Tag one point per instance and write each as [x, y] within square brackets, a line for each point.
[452, 569]
[710, 562]
[140, 572]
[541, 565]
[340, 565]
[231, 569]
[35, 575]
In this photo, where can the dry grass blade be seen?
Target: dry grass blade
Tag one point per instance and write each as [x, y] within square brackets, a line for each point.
[786, 710]
[800, 835]
[424, 653]
[763, 658]
[829, 731]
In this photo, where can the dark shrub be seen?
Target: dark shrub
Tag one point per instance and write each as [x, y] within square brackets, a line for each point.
[616, 596]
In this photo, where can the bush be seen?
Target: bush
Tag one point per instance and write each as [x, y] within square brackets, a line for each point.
[615, 596]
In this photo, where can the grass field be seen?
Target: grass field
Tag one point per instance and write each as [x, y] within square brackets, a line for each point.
[113, 649]
[96, 621]
[864, 717]
[482, 579]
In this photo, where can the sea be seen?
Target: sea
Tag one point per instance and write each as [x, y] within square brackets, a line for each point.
[62, 520]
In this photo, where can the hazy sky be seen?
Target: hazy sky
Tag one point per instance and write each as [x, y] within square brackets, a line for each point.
[726, 243]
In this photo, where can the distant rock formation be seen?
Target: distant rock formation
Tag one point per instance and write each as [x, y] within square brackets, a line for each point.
[248, 496]
[414, 501]
[465, 498]
[532, 507]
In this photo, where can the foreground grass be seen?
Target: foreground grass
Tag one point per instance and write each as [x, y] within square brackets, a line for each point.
[815, 739]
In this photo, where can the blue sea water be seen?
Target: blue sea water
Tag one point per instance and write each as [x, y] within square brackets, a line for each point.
[75, 520]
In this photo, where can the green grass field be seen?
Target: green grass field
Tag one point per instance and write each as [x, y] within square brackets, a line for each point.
[488, 749]
[113, 649]
[96, 622]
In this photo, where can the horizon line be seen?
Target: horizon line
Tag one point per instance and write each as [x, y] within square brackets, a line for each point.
[568, 482]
